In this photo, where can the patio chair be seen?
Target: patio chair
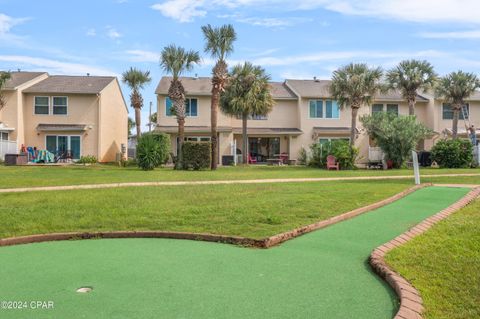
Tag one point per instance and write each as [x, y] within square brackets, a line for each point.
[252, 160]
[332, 163]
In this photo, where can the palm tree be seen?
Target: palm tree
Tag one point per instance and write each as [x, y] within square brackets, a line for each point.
[136, 80]
[455, 88]
[131, 124]
[409, 77]
[4, 77]
[355, 85]
[247, 94]
[219, 43]
[176, 60]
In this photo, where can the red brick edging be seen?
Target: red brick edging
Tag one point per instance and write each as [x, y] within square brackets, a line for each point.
[411, 304]
[236, 240]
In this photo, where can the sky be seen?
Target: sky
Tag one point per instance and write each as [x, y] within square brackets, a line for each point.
[291, 39]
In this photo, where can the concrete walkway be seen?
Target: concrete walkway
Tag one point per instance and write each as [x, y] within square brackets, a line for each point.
[223, 182]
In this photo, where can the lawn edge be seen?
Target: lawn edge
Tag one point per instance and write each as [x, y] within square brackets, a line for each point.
[266, 242]
[411, 303]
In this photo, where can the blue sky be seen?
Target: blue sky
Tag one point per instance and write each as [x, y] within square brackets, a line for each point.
[290, 39]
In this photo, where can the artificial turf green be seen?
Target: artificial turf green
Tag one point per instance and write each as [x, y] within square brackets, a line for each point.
[323, 274]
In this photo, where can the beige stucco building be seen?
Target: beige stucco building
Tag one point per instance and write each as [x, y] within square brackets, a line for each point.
[304, 113]
[82, 115]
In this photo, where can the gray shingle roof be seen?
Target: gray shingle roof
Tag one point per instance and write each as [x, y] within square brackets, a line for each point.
[202, 86]
[71, 84]
[321, 89]
[61, 127]
[19, 78]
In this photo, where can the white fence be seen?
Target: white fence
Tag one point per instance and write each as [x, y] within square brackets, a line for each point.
[476, 153]
[375, 154]
[7, 147]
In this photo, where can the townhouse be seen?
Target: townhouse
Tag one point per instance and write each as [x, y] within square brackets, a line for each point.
[304, 113]
[81, 115]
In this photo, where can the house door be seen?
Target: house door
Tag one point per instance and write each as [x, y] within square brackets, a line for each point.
[60, 144]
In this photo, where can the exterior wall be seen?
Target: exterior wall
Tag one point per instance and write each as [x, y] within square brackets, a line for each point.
[9, 114]
[113, 119]
[82, 109]
[283, 115]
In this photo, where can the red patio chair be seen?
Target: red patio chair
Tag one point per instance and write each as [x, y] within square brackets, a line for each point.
[332, 163]
[252, 160]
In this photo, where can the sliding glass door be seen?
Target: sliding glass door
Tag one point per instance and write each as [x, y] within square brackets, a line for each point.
[60, 144]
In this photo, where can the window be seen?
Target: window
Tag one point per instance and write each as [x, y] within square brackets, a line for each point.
[376, 108]
[41, 104]
[196, 139]
[258, 117]
[326, 142]
[447, 113]
[191, 107]
[3, 136]
[60, 105]
[324, 109]
[392, 108]
[60, 144]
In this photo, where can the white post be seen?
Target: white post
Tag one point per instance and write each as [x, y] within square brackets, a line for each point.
[234, 151]
[416, 168]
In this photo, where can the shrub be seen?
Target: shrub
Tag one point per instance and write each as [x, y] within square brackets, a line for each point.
[196, 155]
[88, 159]
[164, 141]
[338, 148]
[303, 156]
[396, 135]
[149, 152]
[453, 153]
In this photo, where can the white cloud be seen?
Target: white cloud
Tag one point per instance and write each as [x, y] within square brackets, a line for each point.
[143, 56]
[113, 34]
[51, 66]
[266, 22]
[181, 10]
[91, 32]
[7, 23]
[469, 34]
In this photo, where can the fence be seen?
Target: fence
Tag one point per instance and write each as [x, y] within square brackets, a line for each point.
[7, 147]
[476, 154]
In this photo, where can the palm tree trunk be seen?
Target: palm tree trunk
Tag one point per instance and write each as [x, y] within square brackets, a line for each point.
[456, 112]
[411, 107]
[213, 119]
[353, 128]
[245, 139]
[181, 134]
[137, 122]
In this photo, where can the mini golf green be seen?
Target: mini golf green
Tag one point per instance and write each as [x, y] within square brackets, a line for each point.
[323, 274]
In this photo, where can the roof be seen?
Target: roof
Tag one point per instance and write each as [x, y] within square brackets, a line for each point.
[61, 127]
[202, 86]
[268, 131]
[191, 129]
[474, 97]
[19, 78]
[192, 85]
[322, 130]
[321, 89]
[71, 84]
[460, 131]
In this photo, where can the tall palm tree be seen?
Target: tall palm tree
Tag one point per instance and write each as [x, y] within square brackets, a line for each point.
[136, 80]
[4, 77]
[177, 60]
[247, 94]
[353, 86]
[410, 76]
[219, 43]
[455, 88]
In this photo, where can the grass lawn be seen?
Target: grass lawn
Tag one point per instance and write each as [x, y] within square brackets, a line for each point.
[256, 210]
[443, 264]
[26, 176]
[323, 274]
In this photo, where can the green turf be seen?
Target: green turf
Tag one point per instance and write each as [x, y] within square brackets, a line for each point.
[323, 274]
[26, 176]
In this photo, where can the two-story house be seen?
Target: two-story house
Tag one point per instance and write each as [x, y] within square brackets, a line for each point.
[84, 115]
[304, 113]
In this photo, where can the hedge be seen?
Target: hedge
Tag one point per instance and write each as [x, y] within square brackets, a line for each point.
[196, 155]
[455, 153]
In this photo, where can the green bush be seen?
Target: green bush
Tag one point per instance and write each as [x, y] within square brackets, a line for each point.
[455, 153]
[88, 159]
[149, 152]
[338, 148]
[303, 156]
[164, 141]
[396, 135]
[196, 155]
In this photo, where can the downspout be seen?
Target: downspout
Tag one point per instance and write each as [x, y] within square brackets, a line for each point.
[99, 126]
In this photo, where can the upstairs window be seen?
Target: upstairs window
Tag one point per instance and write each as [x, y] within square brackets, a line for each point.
[41, 105]
[191, 107]
[390, 108]
[327, 109]
[447, 112]
[377, 108]
[60, 105]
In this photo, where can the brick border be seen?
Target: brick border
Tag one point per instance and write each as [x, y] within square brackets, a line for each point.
[236, 240]
[411, 303]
